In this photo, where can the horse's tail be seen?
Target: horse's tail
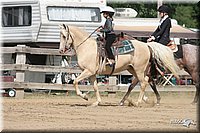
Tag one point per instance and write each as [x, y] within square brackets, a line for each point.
[164, 56]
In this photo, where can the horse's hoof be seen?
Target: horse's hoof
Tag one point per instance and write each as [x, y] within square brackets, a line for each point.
[95, 104]
[84, 96]
[121, 104]
[136, 104]
[194, 103]
[145, 99]
[158, 102]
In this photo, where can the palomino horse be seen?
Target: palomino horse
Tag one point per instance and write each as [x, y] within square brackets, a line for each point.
[135, 62]
[189, 63]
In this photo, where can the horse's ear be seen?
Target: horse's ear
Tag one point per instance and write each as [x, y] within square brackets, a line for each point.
[122, 34]
[64, 26]
[60, 25]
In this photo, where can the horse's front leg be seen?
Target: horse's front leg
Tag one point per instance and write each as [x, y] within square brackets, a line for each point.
[85, 74]
[130, 88]
[96, 90]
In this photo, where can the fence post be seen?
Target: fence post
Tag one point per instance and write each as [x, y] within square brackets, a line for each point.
[113, 83]
[20, 74]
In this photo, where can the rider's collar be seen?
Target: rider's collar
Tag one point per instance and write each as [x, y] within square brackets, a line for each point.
[163, 19]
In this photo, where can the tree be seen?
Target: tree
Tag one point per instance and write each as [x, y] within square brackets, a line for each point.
[184, 13]
[145, 10]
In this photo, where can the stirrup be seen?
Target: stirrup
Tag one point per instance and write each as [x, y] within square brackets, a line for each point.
[110, 63]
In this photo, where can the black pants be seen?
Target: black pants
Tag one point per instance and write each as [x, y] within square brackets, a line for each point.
[110, 38]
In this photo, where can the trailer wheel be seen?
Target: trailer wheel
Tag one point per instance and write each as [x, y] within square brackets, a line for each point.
[11, 92]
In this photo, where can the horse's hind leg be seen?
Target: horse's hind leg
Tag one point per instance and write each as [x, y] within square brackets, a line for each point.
[153, 86]
[196, 98]
[196, 80]
[96, 90]
[143, 83]
[133, 84]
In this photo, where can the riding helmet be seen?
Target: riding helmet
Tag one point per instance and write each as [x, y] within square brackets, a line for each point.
[164, 9]
[108, 10]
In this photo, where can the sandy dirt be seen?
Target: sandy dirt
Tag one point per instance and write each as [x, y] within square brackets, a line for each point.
[39, 111]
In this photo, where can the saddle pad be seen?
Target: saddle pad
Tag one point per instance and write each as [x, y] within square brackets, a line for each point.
[127, 47]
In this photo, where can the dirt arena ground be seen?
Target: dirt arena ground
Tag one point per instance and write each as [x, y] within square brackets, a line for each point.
[43, 112]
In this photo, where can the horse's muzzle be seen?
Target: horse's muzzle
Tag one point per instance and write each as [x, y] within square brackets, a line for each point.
[62, 51]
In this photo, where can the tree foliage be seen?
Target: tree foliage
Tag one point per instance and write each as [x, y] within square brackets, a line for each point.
[144, 9]
[185, 13]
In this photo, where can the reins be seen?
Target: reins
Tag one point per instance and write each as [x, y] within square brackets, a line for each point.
[89, 36]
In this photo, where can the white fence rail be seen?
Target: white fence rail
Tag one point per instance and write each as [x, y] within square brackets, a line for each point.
[20, 68]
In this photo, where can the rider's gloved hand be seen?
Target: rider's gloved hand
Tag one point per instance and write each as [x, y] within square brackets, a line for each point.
[151, 38]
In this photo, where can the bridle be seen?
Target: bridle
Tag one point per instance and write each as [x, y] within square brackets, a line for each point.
[67, 38]
[70, 36]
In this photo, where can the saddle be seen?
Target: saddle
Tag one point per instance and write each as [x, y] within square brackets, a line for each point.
[122, 43]
[172, 46]
[177, 49]
[117, 44]
[119, 40]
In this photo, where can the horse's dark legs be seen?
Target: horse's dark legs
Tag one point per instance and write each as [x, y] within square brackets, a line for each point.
[195, 76]
[131, 86]
[196, 98]
[196, 79]
[153, 87]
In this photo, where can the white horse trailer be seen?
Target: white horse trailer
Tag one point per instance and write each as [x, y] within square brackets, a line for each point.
[125, 12]
[37, 21]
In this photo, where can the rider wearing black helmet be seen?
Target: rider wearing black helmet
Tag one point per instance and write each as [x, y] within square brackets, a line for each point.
[110, 36]
[162, 33]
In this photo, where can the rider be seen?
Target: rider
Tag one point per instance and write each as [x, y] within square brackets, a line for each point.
[162, 33]
[110, 36]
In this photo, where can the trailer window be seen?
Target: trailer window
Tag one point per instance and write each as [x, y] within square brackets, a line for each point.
[74, 14]
[16, 16]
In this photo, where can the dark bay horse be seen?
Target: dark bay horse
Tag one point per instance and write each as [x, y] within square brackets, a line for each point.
[189, 63]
